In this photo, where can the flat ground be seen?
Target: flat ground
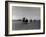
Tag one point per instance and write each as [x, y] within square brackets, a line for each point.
[19, 25]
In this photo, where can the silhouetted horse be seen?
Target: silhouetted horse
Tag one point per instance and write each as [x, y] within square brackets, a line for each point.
[25, 20]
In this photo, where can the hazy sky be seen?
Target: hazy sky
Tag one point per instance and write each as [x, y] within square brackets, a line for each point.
[28, 12]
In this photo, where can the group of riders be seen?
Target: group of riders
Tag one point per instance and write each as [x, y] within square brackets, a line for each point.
[26, 20]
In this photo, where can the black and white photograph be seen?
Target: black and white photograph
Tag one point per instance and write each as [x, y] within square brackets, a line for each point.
[24, 18]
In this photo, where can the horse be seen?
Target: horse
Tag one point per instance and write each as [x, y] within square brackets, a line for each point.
[25, 20]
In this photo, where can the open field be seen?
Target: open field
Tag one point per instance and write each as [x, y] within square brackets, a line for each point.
[19, 25]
